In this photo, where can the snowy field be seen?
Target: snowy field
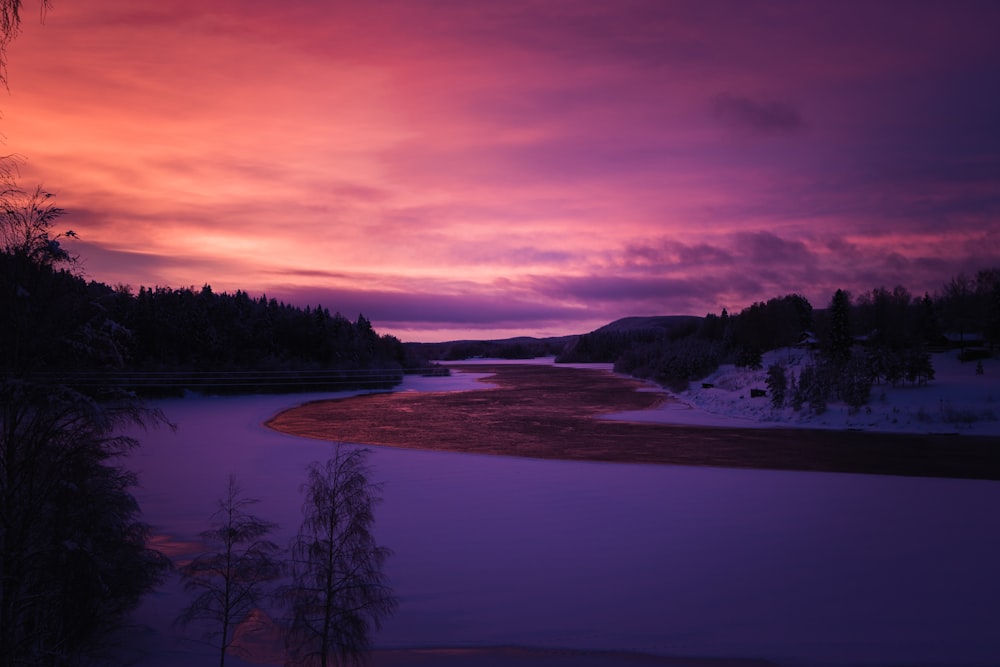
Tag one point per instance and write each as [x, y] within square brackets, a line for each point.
[798, 568]
[956, 401]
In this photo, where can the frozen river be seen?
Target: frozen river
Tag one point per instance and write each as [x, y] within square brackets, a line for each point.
[798, 568]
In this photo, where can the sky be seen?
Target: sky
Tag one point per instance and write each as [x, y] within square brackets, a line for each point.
[484, 169]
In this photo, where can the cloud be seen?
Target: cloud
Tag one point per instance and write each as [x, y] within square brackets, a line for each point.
[759, 117]
[763, 248]
[469, 163]
[391, 308]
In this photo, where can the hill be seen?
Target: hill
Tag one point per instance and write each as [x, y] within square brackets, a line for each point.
[520, 347]
[527, 347]
[666, 323]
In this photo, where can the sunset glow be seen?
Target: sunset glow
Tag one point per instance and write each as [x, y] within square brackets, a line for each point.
[489, 169]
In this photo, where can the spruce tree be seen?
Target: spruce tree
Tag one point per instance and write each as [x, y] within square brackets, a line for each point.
[838, 351]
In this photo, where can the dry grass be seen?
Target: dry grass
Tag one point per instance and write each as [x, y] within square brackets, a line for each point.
[549, 412]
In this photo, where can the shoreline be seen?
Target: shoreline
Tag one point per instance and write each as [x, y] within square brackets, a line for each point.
[556, 412]
[957, 402]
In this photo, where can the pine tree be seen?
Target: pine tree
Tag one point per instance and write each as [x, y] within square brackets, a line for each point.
[838, 350]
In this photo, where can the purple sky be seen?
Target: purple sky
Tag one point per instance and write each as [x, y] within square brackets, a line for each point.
[484, 169]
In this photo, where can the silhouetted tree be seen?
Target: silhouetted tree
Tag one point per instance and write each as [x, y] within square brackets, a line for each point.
[73, 555]
[854, 382]
[927, 327]
[988, 304]
[958, 305]
[338, 594]
[779, 322]
[918, 366]
[749, 357]
[26, 220]
[711, 327]
[10, 25]
[887, 318]
[813, 388]
[232, 580]
[838, 349]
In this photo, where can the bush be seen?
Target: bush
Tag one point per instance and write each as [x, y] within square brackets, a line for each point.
[749, 357]
[854, 383]
[973, 354]
[777, 384]
[795, 394]
[919, 368]
[965, 417]
[672, 364]
[813, 388]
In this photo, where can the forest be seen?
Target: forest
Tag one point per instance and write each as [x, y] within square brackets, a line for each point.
[878, 336]
[161, 340]
[523, 347]
[76, 357]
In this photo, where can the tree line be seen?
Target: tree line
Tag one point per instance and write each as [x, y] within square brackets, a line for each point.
[74, 552]
[82, 325]
[58, 323]
[881, 335]
[512, 348]
[203, 330]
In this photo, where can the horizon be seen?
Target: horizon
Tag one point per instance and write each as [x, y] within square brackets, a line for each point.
[536, 169]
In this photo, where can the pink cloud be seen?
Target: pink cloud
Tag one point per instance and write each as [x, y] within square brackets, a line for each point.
[584, 159]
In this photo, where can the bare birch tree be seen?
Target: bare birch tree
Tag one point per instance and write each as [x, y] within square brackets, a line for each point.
[232, 581]
[339, 595]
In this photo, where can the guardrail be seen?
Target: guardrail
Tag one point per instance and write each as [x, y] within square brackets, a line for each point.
[166, 382]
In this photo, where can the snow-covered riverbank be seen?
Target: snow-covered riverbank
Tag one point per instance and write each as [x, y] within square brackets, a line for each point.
[958, 400]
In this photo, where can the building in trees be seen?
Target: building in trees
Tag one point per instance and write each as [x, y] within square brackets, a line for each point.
[839, 338]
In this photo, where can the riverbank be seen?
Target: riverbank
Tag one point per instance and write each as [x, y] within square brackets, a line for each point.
[555, 412]
[959, 400]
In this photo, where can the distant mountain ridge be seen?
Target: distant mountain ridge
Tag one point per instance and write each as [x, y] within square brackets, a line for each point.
[527, 347]
[519, 347]
[664, 322]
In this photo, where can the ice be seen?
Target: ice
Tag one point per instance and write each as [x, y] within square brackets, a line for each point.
[800, 568]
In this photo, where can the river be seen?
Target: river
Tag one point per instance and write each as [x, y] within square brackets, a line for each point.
[800, 568]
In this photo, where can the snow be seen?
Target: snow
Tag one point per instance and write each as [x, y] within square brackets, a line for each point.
[956, 401]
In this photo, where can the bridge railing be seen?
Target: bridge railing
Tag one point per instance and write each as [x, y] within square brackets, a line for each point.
[167, 382]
